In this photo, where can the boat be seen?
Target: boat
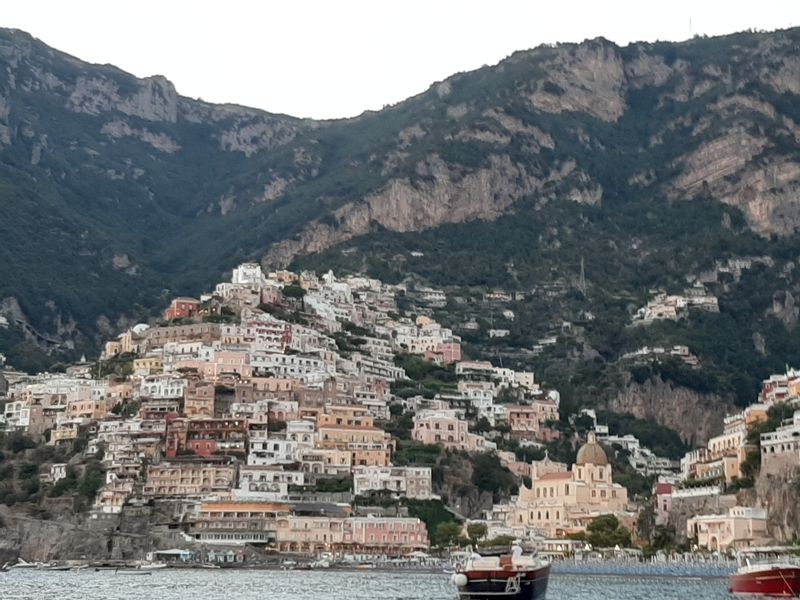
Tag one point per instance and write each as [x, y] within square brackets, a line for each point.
[153, 566]
[509, 576]
[141, 569]
[134, 571]
[23, 564]
[768, 572]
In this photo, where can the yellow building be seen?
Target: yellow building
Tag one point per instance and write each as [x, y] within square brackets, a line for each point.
[148, 365]
[189, 480]
[369, 446]
[560, 501]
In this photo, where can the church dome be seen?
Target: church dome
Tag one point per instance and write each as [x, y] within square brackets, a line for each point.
[591, 453]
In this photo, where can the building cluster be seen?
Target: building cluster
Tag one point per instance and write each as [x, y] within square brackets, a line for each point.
[641, 458]
[257, 409]
[647, 354]
[675, 306]
[707, 473]
[561, 501]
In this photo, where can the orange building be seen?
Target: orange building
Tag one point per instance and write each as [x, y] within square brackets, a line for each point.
[182, 308]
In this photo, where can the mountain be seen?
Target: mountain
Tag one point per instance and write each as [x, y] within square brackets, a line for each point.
[586, 174]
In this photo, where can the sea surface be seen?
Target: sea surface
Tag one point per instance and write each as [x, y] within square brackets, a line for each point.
[324, 585]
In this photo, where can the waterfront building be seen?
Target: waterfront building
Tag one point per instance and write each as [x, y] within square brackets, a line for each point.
[739, 527]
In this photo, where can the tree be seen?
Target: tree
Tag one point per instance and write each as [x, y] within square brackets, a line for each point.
[490, 475]
[606, 532]
[293, 291]
[500, 540]
[476, 532]
[447, 534]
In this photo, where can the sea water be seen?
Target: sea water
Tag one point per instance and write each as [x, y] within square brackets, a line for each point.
[168, 584]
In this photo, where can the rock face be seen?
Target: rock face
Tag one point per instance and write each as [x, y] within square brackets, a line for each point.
[684, 509]
[126, 537]
[444, 196]
[778, 493]
[695, 416]
[588, 78]
[107, 163]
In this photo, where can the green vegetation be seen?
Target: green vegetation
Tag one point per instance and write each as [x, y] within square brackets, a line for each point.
[102, 227]
[476, 532]
[434, 514]
[22, 461]
[661, 440]
[605, 532]
[447, 534]
[331, 485]
[489, 475]
[293, 290]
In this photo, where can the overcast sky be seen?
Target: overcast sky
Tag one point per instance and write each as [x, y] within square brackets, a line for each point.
[337, 58]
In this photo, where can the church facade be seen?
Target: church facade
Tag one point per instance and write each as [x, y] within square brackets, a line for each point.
[561, 501]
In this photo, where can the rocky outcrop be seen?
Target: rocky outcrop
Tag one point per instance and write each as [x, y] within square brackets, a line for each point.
[251, 135]
[589, 78]
[778, 493]
[717, 159]
[785, 309]
[128, 536]
[159, 141]
[647, 69]
[5, 131]
[695, 416]
[440, 194]
[154, 98]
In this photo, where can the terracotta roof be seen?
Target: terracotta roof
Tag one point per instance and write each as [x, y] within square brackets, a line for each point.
[663, 488]
[557, 475]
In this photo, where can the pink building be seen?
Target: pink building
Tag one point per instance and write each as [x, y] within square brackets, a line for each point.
[529, 420]
[663, 496]
[391, 536]
[445, 353]
[443, 428]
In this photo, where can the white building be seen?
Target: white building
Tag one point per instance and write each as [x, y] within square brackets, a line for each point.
[781, 448]
[410, 482]
[248, 275]
[162, 387]
[266, 448]
[266, 483]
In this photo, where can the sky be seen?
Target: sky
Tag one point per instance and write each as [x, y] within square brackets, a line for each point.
[337, 58]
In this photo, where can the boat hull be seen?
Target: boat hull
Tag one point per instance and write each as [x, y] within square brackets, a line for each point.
[773, 583]
[505, 584]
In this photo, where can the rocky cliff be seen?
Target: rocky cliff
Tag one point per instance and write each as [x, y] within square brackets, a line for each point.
[778, 493]
[695, 416]
[71, 537]
[645, 162]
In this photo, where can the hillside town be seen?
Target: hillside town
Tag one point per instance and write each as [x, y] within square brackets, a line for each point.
[266, 415]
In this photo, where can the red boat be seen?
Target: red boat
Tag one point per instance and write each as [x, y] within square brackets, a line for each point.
[508, 576]
[767, 573]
